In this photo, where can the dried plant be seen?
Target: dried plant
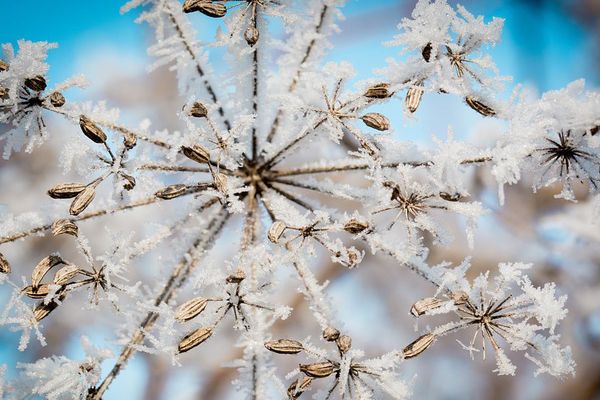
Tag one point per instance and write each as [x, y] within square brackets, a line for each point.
[292, 163]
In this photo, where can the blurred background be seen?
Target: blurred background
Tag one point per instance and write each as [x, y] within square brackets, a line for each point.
[545, 45]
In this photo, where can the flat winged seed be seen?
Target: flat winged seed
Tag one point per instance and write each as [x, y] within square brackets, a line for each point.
[450, 196]
[3, 93]
[66, 190]
[129, 181]
[413, 97]
[212, 10]
[64, 226]
[479, 107]
[171, 192]
[236, 277]
[190, 309]
[318, 370]
[418, 346]
[221, 182]
[3, 66]
[378, 91]
[129, 140]
[43, 310]
[424, 305]
[276, 231]
[198, 110]
[355, 226]
[344, 343]
[426, 52]
[65, 274]
[460, 297]
[376, 121]
[42, 268]
[595, 130]
[37, 292]
[251, 35]
[82, 200]
[91, 130]
[37, 83]
[298, 387]
[4, 265]
[194, 339]
[57, 99]
[331, 334]
[284, 346]
[196, 153]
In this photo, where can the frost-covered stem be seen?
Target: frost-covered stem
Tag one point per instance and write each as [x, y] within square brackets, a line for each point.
[314, 294]
[307, 186]
[413, 267]
[294, 83]
[254, 82]
[171, 168]
[177, 278]
[291, 197]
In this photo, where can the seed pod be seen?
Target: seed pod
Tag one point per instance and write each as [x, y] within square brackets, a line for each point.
[378, 91]
[64, 226]
[65, 274]
[190, 309]
[424, 305]
[595, 130]
[196, 153]
[413, 97]
[344, 343]
[221, 182]
[4, 265]
[418, 346]
[355, 226]
[43, 267]
[354, 257]
[194, 339]
[426, 52]
[198, 110]
[66, 190]
[284, 346]
[450, 197]
[91, 130]
[57, 99]
[298, 387]
[42, 310]
[3, 93]
[376, 121]
[251, 35]
[480, 107]
[129, 181]
[236, 277]
[3, 66]
[129, 140]
[331, 334]
[171, 192]
[460, 297]
[276, 231]
[205, 7]
[82, 200]
[318, 370]
[37, 83]
[37, 292]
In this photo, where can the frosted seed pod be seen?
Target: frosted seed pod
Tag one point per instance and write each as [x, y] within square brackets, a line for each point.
[43, 310]
[82, 200]
[460, 297]
[418, 346]
[298, 387]
[413, 97]
[65, 274]
[198, 110]
[354, 257]
[450, 197]
[196, 153]
[129, 181]
[66, 190]
[221, 182]
[378, 91]
[190, 309]
[129, 140]
[331, 334]
[42, 268]
[424, 305]
[3, 93]
[3, 66]
[355, 226]
[37, 292]
[376, 121]
[205, 7]
[236, 277]
[37, 83]
[284, 346]
[318, 370]
[91, 130]
[344, 343]
[426, 52]
[276, 231]
[57, 99]
[479, 107]
[251, 35]
[4, 265]
[64, 226]
[595, 130]
[194, 339]
[171, 192]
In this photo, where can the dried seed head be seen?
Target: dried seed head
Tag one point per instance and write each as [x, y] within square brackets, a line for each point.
[379, 91]
[82, 200]
[4, 265]
[284, 346]
[450, 196]
[298, 387]
[43, 267]
[424, 305]
[318, 370]
[426, 52]
[221, 182]
[460, 297]
[66, 190]
[418, 346]
[129, 140]
[480, 107]
[236, 277]
[194, 339]
[196, 153]
[129, 181]
[205, 7]
[331, 334]
[198, 110]
[91, 130]
[37, 83]
[64, 226]
[65, 274]
[37, 292]
[251, 35]
[276, 231]
[57, 99]
[3, 66]
[376, 121]
[171, 192]
[344, 343]
[413, 97]
[355, 226]
[190, 309]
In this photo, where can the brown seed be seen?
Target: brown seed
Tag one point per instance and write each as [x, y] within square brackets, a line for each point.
[91, 130]
[595, 130]
[129, 140]
[413, 97]
[37, 292]
[236, 277]
[64, 226]
[426, 52]
[82, 200]
[418, 346]
[198, 110]
[190, 309]
[284, 346]
[376, 121]
[318, 370]
[4, 265]
[331, 334]
[221, 182]
[251, 35]
[42, 268]
[344, 343]
[460, 297]
[354, 257]
[213, 10]
[129, 181]
[298, 387]
[378, 91]
[424, 305]
[194, 339]
[197, 153]
[450, 197]
[171, 192]
[57, 99]
[37, 83]
[66, 190]
[276, 231]
[3, 66]
[3, 93]
[43, 310]
[65, 274]
[480, 107]
[355, 226]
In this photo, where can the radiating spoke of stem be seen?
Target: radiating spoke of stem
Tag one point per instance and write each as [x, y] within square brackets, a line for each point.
[171, 168]
[312, 187]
